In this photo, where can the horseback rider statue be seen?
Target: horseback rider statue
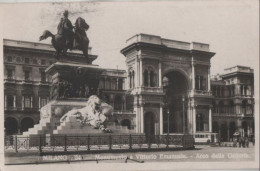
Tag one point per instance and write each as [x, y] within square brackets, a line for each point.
[67, 39]
[66, 28]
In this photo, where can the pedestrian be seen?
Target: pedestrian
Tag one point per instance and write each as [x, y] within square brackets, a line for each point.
[247, 142]
[235, 143]
[240, 142]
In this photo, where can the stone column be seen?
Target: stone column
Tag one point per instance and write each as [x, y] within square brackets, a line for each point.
[117, 84]
[161, 119]
[5, 101]
[14, 101]
[123, 84]
[39, 102]
[194, 119]
[193, 73]
[160, 73]
[142, 118]
[210, 119]
[137, 119]
[105, 82]
[141, 72]
[31, 102]
[209, 88]
[22, 102]
[135, 74]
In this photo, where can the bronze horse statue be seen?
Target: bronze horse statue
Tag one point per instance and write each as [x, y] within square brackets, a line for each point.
[81, 41]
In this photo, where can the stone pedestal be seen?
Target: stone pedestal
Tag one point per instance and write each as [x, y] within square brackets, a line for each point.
[72, 84]
[73, 80]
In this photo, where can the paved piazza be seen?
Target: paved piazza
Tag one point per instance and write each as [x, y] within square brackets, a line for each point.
[202, 153]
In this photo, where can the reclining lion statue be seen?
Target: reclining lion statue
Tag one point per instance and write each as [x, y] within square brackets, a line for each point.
[93, 114]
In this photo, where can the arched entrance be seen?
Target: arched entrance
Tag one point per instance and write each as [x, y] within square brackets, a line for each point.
[149, 124]
[232, 129]
[245, 128]
[215, 127]
[26, 123]
[223, 132]
[11, 126]
[175, 86]
[127, 123]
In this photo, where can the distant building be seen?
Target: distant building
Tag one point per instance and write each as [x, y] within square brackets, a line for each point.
[233, 103]
[167, 88]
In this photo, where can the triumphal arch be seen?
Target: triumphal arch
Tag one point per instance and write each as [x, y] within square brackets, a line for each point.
[170, 82]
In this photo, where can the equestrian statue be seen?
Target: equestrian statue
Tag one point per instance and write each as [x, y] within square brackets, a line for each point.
[66, 38]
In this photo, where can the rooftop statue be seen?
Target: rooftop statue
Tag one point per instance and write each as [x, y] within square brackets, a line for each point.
[66, 38]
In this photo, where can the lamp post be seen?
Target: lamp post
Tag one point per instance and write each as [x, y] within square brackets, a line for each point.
[183, 114]
[165, 86]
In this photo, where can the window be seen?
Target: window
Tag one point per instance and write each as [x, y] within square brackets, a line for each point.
[120, 84]
[43, 62]
[27, 101]
[131, 79]
[43, 76]
[26, 75]
[118, 103]
[10, 73]
[35, 61]
[152, 83]
[200, 82]
[145, 78]
[221, 107]
[26, 60]
[202, 122]
[10, 101]
[9, 58]
[43, 101]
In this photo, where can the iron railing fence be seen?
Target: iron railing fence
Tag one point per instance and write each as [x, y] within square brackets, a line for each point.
[91, 143]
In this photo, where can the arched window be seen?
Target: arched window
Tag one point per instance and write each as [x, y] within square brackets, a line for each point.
[120, 84]
[231, 107]
[244, 106]
[118, 103]
[113, 83]
[130, 79]
[133, 79]
[152, 82]
[10, 101]
[214, 107]
[108, 83]
[102, 83]
[43, 101]
[221, 107]
[146, 78]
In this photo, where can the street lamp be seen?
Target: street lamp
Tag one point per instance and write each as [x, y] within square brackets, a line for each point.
[183, 114]
[165, 86]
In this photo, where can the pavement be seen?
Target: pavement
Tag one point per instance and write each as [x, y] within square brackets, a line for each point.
[201, 153]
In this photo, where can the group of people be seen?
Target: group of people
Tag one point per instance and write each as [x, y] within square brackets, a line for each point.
[65, 89]
[241, 142]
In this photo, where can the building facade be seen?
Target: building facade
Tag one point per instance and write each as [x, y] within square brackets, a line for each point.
[166, 89]
[233, 103]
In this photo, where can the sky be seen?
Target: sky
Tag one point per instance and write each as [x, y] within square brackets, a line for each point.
[230, 27]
